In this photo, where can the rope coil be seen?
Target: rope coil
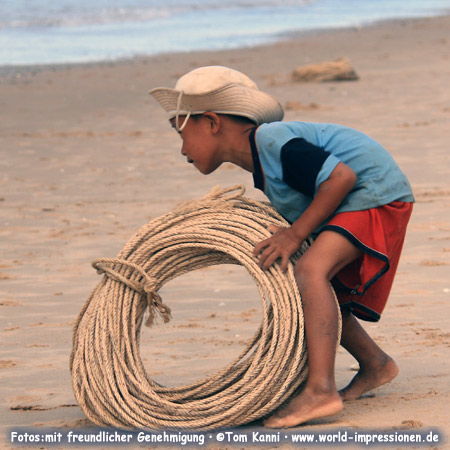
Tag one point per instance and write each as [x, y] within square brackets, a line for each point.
[110, 382]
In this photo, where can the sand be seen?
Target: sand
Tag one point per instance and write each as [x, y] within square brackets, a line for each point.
[87, 158]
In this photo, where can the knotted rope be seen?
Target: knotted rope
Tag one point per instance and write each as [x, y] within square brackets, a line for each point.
[110, 382]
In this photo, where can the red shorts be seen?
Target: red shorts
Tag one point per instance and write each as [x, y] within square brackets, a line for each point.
[364, 285]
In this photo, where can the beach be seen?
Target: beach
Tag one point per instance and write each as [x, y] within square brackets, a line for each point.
[88, 157]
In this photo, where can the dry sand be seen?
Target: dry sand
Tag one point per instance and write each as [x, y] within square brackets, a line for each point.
[87, 158]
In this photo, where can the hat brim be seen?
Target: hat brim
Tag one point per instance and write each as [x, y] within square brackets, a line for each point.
[232, 98]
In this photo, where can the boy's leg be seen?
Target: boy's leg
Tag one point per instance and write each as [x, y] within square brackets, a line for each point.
[375, 366]
[327, 256]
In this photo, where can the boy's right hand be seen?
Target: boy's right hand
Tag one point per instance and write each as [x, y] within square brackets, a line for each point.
[282, 244]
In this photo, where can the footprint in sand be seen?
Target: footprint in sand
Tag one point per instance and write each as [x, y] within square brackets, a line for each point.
[7, 363]
[23, 398]
[8, 303]
[411, 423]
[432, 263]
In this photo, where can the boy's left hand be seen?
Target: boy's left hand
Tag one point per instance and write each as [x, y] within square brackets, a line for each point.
[282, 244]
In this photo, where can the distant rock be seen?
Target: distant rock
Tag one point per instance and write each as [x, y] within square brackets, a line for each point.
[337, 70]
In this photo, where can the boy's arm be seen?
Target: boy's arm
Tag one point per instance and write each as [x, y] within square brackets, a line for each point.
[286, 241]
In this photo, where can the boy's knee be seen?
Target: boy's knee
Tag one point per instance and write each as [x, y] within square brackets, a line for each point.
[308, 272]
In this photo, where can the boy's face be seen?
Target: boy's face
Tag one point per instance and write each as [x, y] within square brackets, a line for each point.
[200, 144]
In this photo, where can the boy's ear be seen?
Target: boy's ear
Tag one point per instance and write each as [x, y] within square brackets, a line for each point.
[214, 121]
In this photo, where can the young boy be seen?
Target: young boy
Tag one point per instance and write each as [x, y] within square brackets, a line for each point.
[328, 181]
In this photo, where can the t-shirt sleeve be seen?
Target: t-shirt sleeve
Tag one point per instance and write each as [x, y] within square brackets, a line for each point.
[302, 162]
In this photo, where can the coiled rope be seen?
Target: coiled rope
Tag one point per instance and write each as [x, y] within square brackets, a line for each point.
[110, 382]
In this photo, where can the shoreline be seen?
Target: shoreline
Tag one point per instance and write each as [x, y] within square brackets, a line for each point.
[88, 157]
[11, 72]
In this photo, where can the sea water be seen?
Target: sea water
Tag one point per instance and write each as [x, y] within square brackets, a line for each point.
[35, 32]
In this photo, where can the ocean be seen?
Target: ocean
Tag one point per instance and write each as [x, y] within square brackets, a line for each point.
[39, 32]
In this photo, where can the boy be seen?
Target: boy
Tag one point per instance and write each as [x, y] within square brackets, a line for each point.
[328, 181]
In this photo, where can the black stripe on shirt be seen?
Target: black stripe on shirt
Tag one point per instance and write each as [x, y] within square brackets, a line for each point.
[302, 162]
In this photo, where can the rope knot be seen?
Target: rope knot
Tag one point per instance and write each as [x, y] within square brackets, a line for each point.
[150, 285]
[154, 301]
[147, 288]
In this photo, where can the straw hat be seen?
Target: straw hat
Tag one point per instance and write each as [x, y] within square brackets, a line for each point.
[221, 90]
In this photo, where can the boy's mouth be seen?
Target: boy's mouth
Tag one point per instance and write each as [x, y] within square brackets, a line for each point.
[190, 161]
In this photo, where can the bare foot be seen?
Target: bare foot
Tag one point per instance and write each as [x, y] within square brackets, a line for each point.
[304, 407]
[369, 378]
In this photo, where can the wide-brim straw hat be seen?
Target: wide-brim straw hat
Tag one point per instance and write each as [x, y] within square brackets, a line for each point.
[221, 90]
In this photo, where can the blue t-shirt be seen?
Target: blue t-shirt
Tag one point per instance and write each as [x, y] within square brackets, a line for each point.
[281, 150]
